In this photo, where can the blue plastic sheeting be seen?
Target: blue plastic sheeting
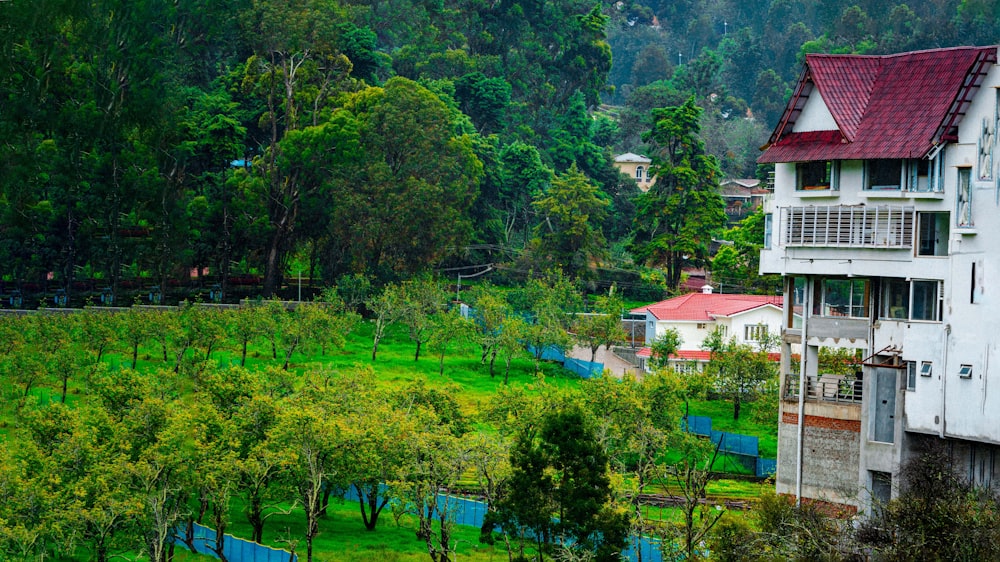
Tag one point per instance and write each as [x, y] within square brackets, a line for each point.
[766, 467]
[585, 369]
[699, 425]
[236, 550]
[735, 443]
[549, 353]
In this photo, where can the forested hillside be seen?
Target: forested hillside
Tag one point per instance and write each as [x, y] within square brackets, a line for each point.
[251, 139]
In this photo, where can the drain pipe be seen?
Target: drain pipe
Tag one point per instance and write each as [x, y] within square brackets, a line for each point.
[803, 353]
[944, 380]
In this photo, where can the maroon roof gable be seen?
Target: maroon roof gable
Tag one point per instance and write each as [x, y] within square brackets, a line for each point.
[892, 106]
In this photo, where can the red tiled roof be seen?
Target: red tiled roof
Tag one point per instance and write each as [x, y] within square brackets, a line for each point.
[892, 106]
[701, 307]
[693, 354]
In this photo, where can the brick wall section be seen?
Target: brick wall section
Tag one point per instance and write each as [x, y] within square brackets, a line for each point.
[826, 423]
[830, 460]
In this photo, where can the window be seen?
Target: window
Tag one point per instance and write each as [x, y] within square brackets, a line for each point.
[932, 234]
[918, 300]
[965, 371]
[964, 200]
[702, 326]
[844, 297]
[883, 174]
[812, 176]
[768, 229]
[926, 369]
[755, 332]
[926, 301]
[918, 175]
[911, 375]
[638, 173]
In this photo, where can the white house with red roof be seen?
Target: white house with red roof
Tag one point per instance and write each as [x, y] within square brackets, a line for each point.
[747, 318]
[885, 223]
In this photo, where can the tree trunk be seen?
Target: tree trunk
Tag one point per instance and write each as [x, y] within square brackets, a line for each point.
[736, 408]
[135, 354]
[243, 357]
[256, 519]
[416, 356]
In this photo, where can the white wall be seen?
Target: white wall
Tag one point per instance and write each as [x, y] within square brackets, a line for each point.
[815, 116]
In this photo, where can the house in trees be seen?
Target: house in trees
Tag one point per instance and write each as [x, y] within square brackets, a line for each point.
[747, 318]
[636, 166]
[742, 196]
[885, 223]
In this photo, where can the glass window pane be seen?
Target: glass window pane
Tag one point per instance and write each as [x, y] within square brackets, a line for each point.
[924, 300]
[896, 301]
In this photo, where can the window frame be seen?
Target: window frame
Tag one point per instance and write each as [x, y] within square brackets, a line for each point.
[873, 167]
[963, 198]
[936, 223]
[965, 371]
[806, 171]
[891, 308]
[825, 307]
[926, 368]
[755, 332]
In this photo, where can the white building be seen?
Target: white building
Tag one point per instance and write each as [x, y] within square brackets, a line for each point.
[885, 223]
[747, 318]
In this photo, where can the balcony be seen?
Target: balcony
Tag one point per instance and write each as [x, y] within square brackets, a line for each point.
[826, 388]
[848, 226]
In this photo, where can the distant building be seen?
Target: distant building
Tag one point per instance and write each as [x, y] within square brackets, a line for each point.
[743, 197]
[637, 167]
[747, 318]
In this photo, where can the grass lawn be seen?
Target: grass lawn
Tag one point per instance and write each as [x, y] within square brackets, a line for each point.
[342, 535]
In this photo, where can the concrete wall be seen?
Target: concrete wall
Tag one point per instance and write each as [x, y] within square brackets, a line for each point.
[830, 455]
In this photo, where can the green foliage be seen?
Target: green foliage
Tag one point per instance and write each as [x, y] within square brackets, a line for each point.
[739, 370]
[569, 235]
[559, 469]
[678, 216]
[664, 346]
[938, 515]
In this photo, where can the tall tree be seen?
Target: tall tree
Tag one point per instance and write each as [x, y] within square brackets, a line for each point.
[376, 228]
[678, 216]
[569, 235]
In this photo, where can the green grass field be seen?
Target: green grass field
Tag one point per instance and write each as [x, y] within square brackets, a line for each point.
[342, 536]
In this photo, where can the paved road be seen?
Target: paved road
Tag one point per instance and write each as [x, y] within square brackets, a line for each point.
[612, 362]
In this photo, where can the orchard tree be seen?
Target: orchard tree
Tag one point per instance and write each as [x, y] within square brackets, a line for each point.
[422, 299]
[604, 326]
[677, 218]
[664, 346]
[739, 370]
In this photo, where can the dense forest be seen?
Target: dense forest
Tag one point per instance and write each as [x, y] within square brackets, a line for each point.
[257, 139]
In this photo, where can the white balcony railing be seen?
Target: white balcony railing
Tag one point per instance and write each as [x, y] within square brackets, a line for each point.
[851, 226]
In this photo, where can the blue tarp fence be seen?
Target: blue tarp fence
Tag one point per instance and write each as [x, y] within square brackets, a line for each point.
[585, 369]
[472, 512]
[733, 443]
[236, 550]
